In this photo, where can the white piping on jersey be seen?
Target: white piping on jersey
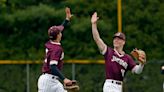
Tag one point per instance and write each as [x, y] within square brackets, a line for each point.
[53, 62]
[55, 43]
[120, 55]
[62, 56]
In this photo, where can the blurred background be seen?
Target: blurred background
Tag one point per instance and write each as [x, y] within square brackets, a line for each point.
[23, 32]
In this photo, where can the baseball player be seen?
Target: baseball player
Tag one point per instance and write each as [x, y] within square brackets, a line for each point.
[117, 62]
[53, 63]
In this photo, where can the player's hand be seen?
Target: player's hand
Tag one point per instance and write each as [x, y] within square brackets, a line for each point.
[68, 13]
[140, 55]
[142, 58]
[94, 18]
[67, 81]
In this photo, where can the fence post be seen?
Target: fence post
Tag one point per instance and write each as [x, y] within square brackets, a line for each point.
[163, 86]
[73, 71]
[27, 78]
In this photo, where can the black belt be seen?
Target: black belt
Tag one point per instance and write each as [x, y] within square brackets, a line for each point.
[116, 82]
[53, 76]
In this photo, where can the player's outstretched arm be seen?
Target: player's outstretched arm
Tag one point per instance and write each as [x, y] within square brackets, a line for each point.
[68, 13]
[68, 17]
[101, 45]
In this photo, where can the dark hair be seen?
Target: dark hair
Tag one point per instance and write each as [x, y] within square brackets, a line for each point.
[53, 35]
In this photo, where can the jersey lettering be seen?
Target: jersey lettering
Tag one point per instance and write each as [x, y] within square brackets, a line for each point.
[119, 61]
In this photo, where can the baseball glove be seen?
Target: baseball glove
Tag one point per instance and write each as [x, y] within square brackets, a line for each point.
[72, 88]
[140, 55]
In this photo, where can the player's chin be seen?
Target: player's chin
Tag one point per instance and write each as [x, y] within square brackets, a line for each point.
[116, 45]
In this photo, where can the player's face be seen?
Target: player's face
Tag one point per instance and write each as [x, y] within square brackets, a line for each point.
[117, 42]
[59, 36]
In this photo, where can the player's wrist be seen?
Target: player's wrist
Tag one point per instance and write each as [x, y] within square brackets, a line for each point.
[67, 81]
[65, 22]
[94, 23]
[141, 64]
[68, 19]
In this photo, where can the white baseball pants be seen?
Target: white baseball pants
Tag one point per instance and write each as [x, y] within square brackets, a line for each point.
[49, 83]
[112, 86]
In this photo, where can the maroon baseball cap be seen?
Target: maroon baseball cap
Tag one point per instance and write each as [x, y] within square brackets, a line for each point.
[120, 35]
[54, 31]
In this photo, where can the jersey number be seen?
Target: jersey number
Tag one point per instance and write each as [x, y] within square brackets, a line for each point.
[123, 72]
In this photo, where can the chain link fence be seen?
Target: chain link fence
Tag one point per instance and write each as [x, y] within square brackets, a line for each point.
[23, 77]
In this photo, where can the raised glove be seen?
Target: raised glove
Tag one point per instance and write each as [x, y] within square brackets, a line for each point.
[74, 87]
[140, 55]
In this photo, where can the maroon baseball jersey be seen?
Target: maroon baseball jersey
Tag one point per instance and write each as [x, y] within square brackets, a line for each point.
[54, 55]
[117, 65]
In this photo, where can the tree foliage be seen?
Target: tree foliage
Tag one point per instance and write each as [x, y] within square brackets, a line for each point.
[24, 27]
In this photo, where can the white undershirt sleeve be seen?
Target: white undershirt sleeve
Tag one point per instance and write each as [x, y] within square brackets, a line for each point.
[53, 62]
[138, 69]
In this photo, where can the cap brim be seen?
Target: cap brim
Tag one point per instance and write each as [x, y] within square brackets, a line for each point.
[119, 37]
[60, 28]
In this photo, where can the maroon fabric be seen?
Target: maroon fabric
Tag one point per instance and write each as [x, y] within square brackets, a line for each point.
[54, 30]
[115, 66]
[120, 35]
[54, 52]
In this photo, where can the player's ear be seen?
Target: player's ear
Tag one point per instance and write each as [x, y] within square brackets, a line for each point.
[124, 42]
[59, 34]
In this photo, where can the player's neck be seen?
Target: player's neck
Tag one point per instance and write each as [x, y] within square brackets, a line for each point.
[56, 41]
[119, 50]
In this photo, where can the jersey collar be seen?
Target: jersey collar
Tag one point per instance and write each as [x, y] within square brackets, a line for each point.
[57, 43]
[120, 55]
